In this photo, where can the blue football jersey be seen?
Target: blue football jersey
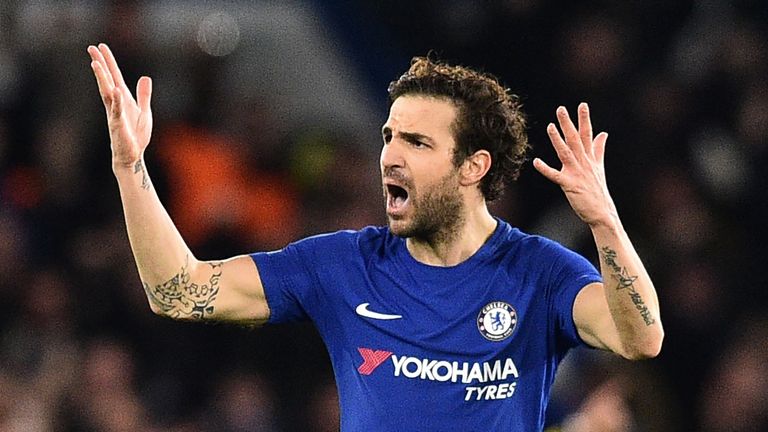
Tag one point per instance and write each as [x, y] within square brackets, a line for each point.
[414, 347]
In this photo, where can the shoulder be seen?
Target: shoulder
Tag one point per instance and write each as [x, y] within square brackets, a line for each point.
[532, 250]
[512, 238]
[344, 240]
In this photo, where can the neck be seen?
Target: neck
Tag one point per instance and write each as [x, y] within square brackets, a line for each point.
[457, 246]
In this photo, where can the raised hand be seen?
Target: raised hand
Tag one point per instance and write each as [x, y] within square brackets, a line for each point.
[582, 176]
[129, 119]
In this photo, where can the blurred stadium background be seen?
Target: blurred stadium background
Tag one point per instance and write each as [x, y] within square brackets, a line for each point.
[267, 122]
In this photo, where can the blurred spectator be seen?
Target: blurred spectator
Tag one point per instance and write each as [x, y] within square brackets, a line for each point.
[604, 410]
[104, 398]
[600, 392]
[323, 409]
[40, 351]
[338, 182]
[214, 193]
[243, 402]
[735, 393]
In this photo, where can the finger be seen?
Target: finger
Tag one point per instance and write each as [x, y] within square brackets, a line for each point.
[561, 148]
[547, 171]
[111, 63]
[599, 144]
[571, 135]
[144, 93]
[105, 89]
[99, 58]
[585, 127]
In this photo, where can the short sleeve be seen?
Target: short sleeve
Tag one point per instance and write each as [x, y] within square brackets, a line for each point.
[292, 277]
[570, 273]
[286, 281]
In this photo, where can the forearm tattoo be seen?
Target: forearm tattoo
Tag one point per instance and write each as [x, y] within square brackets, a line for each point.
[180, 298]
[139, 168]
[625, 281]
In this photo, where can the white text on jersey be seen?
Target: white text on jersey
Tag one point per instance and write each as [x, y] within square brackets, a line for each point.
[442, 370]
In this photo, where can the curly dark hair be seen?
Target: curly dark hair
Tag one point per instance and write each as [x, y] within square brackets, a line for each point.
[489, 116]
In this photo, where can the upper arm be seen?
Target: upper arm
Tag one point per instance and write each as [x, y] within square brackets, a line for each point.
[593, 318]
[236, 293]
[291, 276]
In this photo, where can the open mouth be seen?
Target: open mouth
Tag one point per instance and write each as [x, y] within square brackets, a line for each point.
[397, 198]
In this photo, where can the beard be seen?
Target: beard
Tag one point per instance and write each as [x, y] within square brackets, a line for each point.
[436, 214]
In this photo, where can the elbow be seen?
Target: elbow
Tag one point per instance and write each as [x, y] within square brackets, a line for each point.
[164, 313]
[157, 310]
[646, 349]
[643, 353]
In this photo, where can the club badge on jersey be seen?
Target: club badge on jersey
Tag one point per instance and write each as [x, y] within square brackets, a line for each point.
[497, 321]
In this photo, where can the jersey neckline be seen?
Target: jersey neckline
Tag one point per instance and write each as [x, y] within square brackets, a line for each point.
[487, 249]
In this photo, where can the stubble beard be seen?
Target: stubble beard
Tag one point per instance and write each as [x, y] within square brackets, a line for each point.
[437, 214]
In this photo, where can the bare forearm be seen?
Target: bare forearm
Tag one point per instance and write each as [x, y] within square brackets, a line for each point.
[633, 328]
[629, 291]
[168, 269]
[176, 284]
[157, 246]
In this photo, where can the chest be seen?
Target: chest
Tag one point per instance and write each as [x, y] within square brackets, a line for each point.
[486, 313]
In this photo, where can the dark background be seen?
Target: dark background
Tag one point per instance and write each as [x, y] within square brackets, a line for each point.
[267, 118]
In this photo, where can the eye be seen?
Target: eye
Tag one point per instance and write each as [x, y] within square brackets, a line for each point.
[417, 144]
[387, 137]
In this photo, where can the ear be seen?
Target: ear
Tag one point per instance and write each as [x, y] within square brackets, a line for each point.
[474, 167]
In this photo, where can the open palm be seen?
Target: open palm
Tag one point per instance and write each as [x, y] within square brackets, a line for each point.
[582, 176]
[129, 119]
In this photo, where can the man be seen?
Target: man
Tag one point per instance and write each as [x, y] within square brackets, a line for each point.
[447, 319]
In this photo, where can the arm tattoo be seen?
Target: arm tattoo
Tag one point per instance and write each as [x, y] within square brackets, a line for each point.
[181, 298]
[626, 281]
[139, 168]
[619, 273]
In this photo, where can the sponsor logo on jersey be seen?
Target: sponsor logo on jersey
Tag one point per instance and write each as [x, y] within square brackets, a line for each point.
[372, 359]
[362, 310]
[497, 321]
[502, 372]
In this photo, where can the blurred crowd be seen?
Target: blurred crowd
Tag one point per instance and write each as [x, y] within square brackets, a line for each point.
[267, 119]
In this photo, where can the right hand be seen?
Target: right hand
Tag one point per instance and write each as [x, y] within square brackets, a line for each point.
[129, 120]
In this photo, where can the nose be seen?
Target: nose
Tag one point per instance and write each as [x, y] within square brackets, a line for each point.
[392, 155]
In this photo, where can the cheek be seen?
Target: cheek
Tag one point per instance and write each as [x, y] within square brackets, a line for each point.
[432, 181]
[438, 168]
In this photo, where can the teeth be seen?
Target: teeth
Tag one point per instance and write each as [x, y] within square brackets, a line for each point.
[399, 201]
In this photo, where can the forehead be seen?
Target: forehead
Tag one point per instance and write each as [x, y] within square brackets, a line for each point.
[423, 114]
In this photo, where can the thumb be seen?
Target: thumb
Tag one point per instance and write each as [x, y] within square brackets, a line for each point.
[599, 146]
[144, 93]
[547, 171]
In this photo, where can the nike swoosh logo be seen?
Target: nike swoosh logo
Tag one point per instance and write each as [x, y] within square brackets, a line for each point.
[362, 310]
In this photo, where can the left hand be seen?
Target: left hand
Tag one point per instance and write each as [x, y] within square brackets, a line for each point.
[582, 176]
[129, 119]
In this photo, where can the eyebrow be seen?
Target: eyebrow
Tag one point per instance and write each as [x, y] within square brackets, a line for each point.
[408, 136]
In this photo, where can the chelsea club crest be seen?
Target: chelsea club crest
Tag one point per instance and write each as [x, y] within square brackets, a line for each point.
[496, 321]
